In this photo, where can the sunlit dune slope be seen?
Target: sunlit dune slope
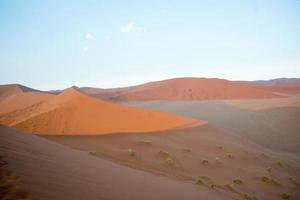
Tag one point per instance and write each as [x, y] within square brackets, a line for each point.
[72, 112]
[22, 100]
[12, 89]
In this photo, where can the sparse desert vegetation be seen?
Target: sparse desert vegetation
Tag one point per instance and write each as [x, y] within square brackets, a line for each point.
[286, 196]
[237, 181]
[131, 152]
[164, 153]
[249, 197]
[169, 161]
[229, 155]
[205, 162]
[269, 180]
[147, 142]
[10, 184]
[294, 181]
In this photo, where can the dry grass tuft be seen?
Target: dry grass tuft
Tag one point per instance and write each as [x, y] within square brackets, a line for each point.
[229, 155]
[205, 162]
[131, 152]
[238, 181]
[249, 197]
[169, 162]
[164, 153]
[286, 195]
[294, 181]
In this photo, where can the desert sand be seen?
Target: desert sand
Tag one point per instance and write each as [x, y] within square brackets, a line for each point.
[52, 171]
[72, 112]
[222, 161]
[277, 129]
[22, 100]
[12, 89]
[282, 85]
[183, 89]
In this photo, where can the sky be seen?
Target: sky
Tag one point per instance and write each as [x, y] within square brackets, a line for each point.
[54, 44]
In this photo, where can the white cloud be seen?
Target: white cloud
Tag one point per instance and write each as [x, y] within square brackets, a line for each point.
[89, 36]
[132, 28]
[85, 49]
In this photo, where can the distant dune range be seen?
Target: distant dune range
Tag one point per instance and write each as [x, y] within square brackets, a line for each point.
[12, 89]
[182, 89]
[284, 85]
[72, 112]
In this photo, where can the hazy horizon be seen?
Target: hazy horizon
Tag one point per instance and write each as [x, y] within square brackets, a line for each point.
[56, 44]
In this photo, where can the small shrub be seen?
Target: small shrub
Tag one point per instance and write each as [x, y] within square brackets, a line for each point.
[148, 142]
[220, 147]
[265, 179]
[269, 169]
[203, 177]
[238, 181]
[187, 150]
[199, 182]
[294, 181]
[229, 187]
[217, 160]
[229, 155]
[249, 197]
[93, 153]
[279, 164]
[274, 182]
[204, 162]
[286, 195]
[169, 161]
[131, 152]
[213, 186]
[164, 153]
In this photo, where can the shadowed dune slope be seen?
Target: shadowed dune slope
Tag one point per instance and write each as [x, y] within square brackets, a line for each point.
[52, 171]
[277, 129]
[72, 112]
[183, 89]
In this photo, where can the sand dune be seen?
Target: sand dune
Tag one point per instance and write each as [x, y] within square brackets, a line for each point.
[22, 100]
[183, 89]
[277, 129]
[186, 154]
[51, 171]
[12, 89]
[282, 85]
[72, 112]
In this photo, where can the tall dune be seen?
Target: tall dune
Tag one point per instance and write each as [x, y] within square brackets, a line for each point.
[72, 112]
[184, 89]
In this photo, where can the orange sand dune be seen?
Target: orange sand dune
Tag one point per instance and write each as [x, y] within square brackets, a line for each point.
[12, 89]
[188, 89]
[22, 100]
[72, 112]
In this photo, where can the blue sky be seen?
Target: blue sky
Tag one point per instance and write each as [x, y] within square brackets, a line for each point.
[55, 44]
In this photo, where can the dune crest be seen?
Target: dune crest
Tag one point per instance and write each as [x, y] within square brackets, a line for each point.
[184, 89]
[72, 112]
